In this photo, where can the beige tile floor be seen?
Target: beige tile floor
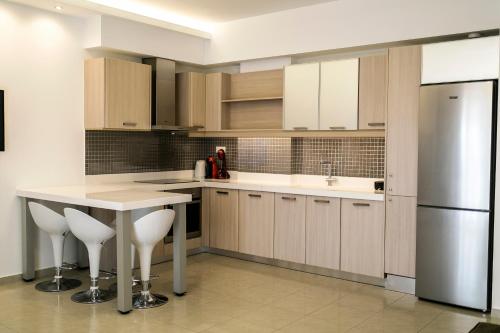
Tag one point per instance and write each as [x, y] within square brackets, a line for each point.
[230, 295]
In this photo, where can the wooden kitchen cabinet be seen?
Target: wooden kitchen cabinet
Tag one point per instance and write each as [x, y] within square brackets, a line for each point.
[290, 227]
[301, 93]
[256, 223]
[400, 235]
[214, 94]
[117, 95]
[224, 219]
[402, 120]
[323, 232]
[190, 97]
[373, 77]
[338, 109]
[362, 237]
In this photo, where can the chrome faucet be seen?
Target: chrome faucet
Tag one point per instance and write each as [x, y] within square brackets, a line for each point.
[330, 179]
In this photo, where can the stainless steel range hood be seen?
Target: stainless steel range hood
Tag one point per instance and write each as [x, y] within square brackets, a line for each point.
[163, 95]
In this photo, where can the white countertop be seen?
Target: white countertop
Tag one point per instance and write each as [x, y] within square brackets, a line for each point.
[119, 197]
[345, 187]
[122, 192]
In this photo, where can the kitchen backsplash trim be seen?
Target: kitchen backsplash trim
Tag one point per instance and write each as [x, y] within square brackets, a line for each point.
[116, 152]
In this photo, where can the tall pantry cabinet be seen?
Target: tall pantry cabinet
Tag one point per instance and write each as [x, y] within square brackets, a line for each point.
[401, 156]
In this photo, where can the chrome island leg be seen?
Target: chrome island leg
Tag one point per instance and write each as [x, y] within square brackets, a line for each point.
[28, 242]
[180, 249]
[124, 269]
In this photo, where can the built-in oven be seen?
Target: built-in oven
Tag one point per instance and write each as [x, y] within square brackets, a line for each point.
[193, 214]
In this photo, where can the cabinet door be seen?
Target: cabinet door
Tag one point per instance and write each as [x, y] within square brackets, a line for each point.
[128, 95]
[362, 237]
[402, 120]
[190, 99]
[339, 95]
[323, 232]
[372, 91]
[224, 219]
[400, 235]
[256, 223]
[290, 227]
[214, 93]
[301, 89]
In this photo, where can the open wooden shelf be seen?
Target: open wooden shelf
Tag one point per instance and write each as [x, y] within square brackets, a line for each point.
[252, 99]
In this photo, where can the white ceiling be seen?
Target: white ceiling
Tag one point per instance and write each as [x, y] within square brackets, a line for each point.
[196, 17]
[218, 11]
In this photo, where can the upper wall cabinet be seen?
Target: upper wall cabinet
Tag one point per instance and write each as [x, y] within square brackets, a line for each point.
[190, 99]
[301, 97]
[372, 91]
[463, 60]
[117, 95]
[339, 95]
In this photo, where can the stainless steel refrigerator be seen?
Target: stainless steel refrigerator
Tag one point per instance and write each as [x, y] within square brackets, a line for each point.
[456, 183]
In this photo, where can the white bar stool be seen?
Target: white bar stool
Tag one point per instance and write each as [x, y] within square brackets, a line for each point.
[56, 226]
[146, 232]
[93, 234]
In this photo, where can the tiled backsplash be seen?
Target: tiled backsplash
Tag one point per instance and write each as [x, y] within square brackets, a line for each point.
[123, 152]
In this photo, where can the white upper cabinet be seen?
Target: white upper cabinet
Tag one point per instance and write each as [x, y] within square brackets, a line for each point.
[463, 60]
[339, 95]
[301, 93]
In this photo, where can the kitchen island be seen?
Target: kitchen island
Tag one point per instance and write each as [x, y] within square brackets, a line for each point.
[123, 199]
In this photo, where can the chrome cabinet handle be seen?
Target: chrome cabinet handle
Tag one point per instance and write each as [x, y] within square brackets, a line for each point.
[255, 195]
[289, 198]
[337, 127]
[322, 201]
[222, 192]
[360, 204]
[131, 124]
[376, 124]
[300, 128]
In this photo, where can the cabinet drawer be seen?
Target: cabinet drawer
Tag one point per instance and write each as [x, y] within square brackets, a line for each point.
[256, 223]
[290, 227]
[323, 232]
[224, 219]
[362, 237]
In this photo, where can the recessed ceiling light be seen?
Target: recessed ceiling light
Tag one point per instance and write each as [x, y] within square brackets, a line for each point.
[474, 35]
[58, 7]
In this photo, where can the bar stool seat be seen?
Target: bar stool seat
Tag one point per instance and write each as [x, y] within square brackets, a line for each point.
[93, 234]
[146, 232]
[57, 227]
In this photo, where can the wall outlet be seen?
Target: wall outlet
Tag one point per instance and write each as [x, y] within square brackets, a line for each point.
[220, 147]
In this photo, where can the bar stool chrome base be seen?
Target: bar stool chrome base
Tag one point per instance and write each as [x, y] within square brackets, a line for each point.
[146, 299]
[94, 295]
[58, 283]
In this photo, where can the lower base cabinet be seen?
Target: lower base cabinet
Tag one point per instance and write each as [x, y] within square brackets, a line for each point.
[223, 218]
[256, 223]
[362, 237]
[401, 235]
[323, 232]
[290, 227]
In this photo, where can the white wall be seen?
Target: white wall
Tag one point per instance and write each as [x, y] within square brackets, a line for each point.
[41, 71]
[140, 38]
[346, 23]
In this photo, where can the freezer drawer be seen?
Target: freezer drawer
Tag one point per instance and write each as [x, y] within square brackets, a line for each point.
[452, 257]
[454, 153]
